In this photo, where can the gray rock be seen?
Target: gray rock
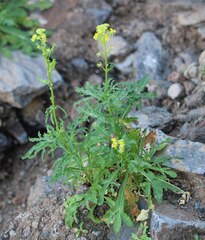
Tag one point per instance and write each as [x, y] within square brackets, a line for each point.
[99, 10]
[192, 115]
[43, 189]
[196, 99]
[196, 134]
[100, 15]
[179, 5]
[149, 58]
[152, 117]
[188, 57]
[159, 87]
[44, 216]
[15, 129]
[184, 152]
[170, 223]
[175, 90]
[125, 233]
[79, 64]
[188, 87]
[34, 113]
[4, 142]
[117, 45]
[18, 79]
[179, 65]
[126, 67]
[45, 235]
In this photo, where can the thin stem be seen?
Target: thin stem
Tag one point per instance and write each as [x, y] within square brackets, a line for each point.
[106, 70]
[52, 98]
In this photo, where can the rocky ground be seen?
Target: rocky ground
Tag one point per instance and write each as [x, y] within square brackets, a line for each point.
[163, 39]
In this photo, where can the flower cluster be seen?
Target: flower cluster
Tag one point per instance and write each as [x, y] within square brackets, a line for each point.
[103, 32]
[39, 36]
[120, 144]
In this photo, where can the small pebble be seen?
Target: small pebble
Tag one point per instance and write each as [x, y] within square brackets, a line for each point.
[12, 233]
[175, 90]
[174, 77]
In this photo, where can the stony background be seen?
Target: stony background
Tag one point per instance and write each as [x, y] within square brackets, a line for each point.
[164, 39]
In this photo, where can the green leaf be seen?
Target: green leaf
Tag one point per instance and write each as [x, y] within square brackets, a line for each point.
[117, 222]
[127, 220]
[171, 173]
[157, 190]
[16, 26]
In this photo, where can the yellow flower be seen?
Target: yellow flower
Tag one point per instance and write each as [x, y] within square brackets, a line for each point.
[103, 32]
[34, 38]
[107, 37]
[114, 143]
[40, 31]
[39, 35]
[96, 36]
[121, 146]
[112, 31]
[43, 38]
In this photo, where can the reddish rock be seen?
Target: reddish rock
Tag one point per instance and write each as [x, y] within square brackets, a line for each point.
[95, 79]
[174, 77]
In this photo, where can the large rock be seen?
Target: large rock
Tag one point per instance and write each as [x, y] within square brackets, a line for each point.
[170, 223]
[44, 217]
[192, 115]
[197, 98]
[152, 117]
[99, 10]
[18, 79]
[126, 66]
[15, 129]
[77, 16]
[44, 189]
[196, 134]
[117, 45]
[149, 58]
[188, 156]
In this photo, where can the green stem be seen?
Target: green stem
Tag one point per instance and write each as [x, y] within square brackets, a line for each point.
[52, 98]
[106, 70]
